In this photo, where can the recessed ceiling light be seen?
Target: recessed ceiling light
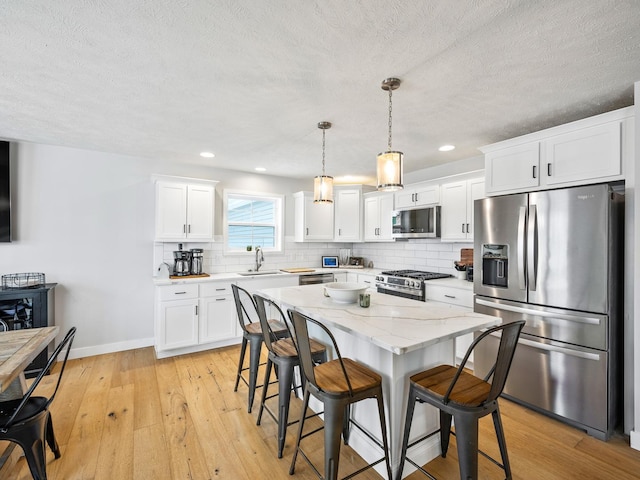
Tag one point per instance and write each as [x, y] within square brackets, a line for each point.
[446, 148]
[207, 154]
[261, 169]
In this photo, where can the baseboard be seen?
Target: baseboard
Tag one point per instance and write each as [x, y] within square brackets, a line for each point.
[110, 348]
[634, 438]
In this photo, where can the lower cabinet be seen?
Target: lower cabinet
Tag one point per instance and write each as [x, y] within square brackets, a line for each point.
[194, 317]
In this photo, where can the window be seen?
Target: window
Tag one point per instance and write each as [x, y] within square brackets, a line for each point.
[253, 220]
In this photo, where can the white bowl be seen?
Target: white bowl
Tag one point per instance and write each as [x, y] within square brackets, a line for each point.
[345, 292]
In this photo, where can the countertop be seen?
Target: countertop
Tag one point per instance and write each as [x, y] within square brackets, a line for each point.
[396, 324]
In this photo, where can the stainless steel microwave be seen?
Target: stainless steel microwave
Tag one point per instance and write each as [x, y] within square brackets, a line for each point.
[418, 223]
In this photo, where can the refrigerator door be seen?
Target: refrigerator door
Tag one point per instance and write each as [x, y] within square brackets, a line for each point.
[568, 248]
[500, 247]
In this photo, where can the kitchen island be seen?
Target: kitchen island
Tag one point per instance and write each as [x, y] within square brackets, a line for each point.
[396, 337]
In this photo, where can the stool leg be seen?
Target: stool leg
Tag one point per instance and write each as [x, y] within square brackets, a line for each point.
[346, 424]
[383, 429]
[243, 349]
[445, 432]
[255, 345]
[467, 440]
[497, 423]
[265, 388]
[305, 404]
[284, 398]
[51, 438]
[334, 418]
[411, 405]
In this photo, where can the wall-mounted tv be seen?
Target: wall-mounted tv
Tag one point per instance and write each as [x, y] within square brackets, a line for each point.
[5, 193]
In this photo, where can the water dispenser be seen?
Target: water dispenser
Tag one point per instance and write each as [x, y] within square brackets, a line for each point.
[495, 265]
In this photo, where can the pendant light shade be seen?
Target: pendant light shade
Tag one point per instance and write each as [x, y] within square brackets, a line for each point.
[389, 163]
[323, 184]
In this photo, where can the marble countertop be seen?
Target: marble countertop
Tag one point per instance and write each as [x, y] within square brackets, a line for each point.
[396, 324]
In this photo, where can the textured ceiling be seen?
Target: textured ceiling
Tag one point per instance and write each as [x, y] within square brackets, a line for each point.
[250, 80]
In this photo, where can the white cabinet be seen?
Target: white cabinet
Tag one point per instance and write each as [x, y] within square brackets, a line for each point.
[368, 279]
[378, 210]
[217, 314]
[457, 209]
[458, 296]
[417, 195]
[347, 213]
[176, 316]
[586, 151]
[184, 211]
[313, 221]
[341, 277]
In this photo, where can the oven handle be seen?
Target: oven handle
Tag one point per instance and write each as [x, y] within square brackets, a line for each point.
[555, 349]
[539, 313]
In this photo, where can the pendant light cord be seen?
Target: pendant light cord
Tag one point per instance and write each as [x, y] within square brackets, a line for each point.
[323, 135]
[390, 104]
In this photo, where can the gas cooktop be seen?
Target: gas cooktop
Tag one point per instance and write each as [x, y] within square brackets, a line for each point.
[416, 274]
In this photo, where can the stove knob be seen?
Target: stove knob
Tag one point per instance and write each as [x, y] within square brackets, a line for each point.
[407, 283]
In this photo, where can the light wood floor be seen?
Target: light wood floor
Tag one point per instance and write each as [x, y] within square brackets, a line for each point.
[130, 416]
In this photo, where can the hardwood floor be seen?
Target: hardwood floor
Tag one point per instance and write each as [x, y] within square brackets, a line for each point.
[130, 416]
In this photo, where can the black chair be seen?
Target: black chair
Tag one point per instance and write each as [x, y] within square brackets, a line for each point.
[27, 420]
[284, 355]
[337, 384]
[465, 398]
[252, 335]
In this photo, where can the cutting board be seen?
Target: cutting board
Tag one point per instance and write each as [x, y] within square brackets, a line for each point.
[182, 277]
[297, 270]
[466, 256]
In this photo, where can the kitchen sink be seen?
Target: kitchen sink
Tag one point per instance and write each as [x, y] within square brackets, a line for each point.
[264, 272]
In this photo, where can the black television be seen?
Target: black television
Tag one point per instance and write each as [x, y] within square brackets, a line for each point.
[5, 193]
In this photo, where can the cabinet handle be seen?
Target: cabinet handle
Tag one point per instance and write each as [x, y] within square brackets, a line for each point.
[416, 198]
[366, 281]
[548, 169]
[220, 289]
[450, 296]
[339, 232]
[220, 299]
[184, 228]
[189, 229]
[467, 228]
[463, 228]
[196, 310]
[534, 172]
[179, 293]
[307, 231]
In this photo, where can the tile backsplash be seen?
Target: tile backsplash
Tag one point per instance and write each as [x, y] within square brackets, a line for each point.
[420, 254]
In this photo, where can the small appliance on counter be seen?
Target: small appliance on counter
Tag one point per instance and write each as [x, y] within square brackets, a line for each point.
[196, 261]
[181, 262]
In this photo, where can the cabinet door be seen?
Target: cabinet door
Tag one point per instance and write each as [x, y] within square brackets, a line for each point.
[427, 195]
[347, 216]
[178, 324]
[404, 198]
[513, 168]
[385, 210]
[453, 218]
[171, 211]
[316, 220]
[372, 218]
[586, 154]
[217, 318]
[200, 212]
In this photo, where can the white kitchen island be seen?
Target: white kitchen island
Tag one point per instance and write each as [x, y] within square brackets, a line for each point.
[396, 337]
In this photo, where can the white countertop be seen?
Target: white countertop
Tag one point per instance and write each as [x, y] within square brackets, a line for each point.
[396, 324]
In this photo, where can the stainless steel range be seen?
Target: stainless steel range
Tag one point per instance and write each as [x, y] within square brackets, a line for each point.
[406, 283]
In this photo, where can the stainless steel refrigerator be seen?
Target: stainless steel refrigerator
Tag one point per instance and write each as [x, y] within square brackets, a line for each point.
[554, 258]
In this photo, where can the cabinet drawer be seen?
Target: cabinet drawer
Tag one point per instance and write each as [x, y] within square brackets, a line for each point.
[454, 296]
[178, 292]
[215, 289]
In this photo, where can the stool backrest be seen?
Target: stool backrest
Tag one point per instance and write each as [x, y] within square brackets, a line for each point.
[509, 334]
[245, 306]
[301, 335]
[268, 334]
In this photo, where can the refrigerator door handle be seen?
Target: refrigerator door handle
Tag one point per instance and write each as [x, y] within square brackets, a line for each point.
[522, 216]
[532, 248]
[539, 313]
[553, 348]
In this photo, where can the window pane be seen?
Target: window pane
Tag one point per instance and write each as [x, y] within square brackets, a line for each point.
[251, 221]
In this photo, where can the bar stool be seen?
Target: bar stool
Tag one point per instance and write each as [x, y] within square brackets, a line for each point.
[465, 398]
[251, 334]
[284, 355]
[337, 384]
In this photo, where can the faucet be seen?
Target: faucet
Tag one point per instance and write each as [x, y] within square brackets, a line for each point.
[259, 258]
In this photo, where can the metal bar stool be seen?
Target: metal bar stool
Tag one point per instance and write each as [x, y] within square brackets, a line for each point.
[284, 355]
[337, 384]
[465, 398]
[251, 334]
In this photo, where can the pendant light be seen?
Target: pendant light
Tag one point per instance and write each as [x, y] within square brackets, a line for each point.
[323, 184]
[389, 163]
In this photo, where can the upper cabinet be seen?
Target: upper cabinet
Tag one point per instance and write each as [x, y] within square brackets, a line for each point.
[313, 221]
[586, 151]
[378, 210]
[348, 212]
[184, 209]
[457, 209]
[417, 195]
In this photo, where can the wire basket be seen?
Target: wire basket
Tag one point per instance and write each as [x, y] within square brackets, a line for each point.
[23, 280]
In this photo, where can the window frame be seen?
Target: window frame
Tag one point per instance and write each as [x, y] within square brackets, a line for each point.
[278, 217]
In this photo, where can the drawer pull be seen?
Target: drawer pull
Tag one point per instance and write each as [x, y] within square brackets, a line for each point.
[220, 289]
[220, 299]
[450, 296]
[180, 293]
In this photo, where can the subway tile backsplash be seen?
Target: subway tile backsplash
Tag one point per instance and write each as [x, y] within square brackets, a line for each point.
[420, 254]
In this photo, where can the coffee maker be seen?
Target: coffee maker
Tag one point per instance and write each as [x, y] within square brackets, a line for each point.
[181, 262]
[196, 261]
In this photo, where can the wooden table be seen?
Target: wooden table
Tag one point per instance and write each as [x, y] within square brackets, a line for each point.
[18, 348]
